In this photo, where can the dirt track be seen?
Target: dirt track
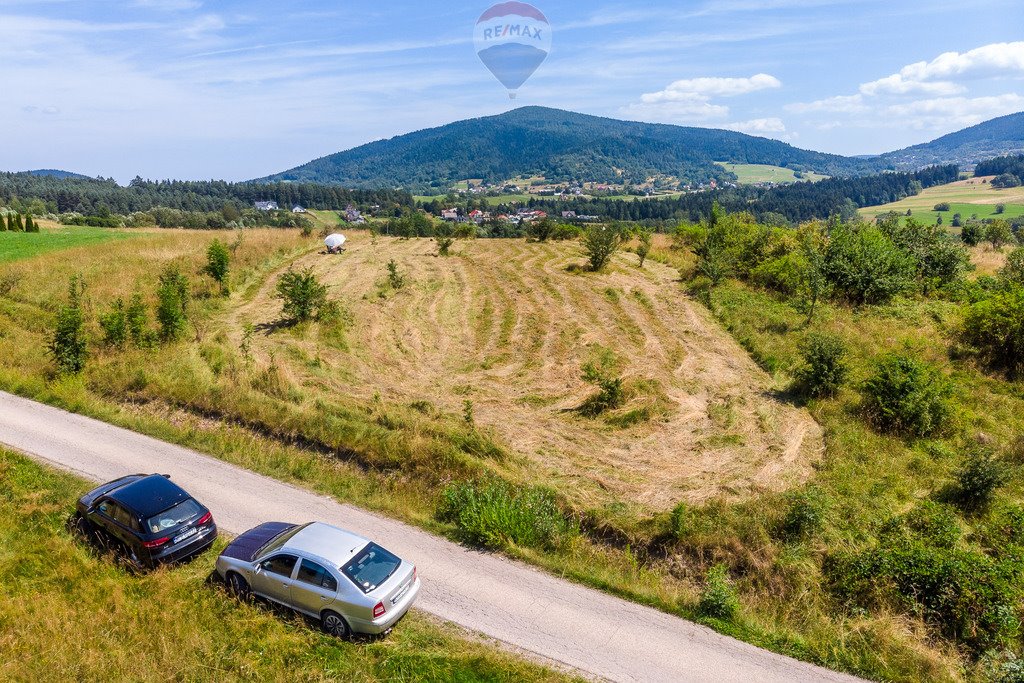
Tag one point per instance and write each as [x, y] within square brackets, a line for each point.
[508, 325]
[591, 631]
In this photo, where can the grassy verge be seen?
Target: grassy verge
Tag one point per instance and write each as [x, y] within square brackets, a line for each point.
[70, 614]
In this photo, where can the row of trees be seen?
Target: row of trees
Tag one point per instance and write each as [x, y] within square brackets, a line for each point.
[15, 222]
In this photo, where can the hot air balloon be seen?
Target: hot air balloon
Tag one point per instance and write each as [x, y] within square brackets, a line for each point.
[512, 40]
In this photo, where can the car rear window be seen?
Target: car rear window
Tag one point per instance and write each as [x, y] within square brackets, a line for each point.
[371, 567]
[184, 511]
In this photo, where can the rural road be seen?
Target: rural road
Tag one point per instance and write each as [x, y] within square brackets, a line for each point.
[598, 634]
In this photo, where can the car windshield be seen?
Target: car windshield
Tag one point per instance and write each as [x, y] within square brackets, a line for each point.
[175, 516]
[371, 567]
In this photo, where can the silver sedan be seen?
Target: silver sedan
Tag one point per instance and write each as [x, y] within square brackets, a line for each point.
[349, 583]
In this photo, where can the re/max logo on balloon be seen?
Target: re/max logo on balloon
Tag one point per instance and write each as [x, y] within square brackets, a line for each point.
[512, 40]
[514, 31]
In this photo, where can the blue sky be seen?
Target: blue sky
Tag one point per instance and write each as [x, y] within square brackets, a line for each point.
[235, 90]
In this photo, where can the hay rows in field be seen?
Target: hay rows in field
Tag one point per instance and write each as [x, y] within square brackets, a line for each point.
[508, 325]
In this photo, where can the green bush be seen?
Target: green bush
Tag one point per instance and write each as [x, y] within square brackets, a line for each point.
[942, 206]
[540, 231]
[67, 343]
[825, 368]
[783, 274]
[303, 294]
[396, 279]
[115, 325]
[998, 233]
[137, 321]
[865, 266]
[967, 595]
[218, 259]
[172, 303]
[1013, 271]
[644, 237]
[972, 233]
[907, 396]
[805, 514]
[494, 514]
[993, 329]
[601, 372]
[566, 231]
[600, 242]
[718, 600]
[977, 481]
[930, 523]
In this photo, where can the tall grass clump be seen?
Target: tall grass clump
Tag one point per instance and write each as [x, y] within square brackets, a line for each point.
[494, 514]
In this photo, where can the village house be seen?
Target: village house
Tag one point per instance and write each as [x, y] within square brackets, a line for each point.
[298, 209]
[450, 214]
[266, 206]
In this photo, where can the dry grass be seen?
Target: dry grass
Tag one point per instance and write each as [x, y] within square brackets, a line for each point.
[508, 326]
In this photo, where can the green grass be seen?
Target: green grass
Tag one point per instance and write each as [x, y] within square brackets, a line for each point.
[749, 174]
[69, 613]
[15, 246]
[966, 197]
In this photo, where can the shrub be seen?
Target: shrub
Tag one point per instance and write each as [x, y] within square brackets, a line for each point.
[993, 328]
[718, 600]
[805, 514]
[1006, 180]
[1013, 271]
[972, 233]
[930, 523]
[600, 242]
[540, 231]
[967, 595]
[493, 514]
[977, 481]
[303, 294]
[218, 258]
[1000, 209]
[865, 266]
[172, 303]
[396, 279]
[444, 235]
[941, 206]
[825, 369]
[137, 321]
[998, 233]
[67, 343]
[566, 231]
[644, 236]
[115, 325]
[601, 372]
[907, 396]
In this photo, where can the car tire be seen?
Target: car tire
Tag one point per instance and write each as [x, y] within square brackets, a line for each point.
[334, 624]
[80, 526]
[238, 586]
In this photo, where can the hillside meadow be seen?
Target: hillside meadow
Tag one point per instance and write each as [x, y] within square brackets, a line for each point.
[450, 393]
[971, 197]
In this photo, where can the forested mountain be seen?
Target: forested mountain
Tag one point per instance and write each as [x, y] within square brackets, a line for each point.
[56, 173]
[997, 137]
[89, 195]
[561, 146]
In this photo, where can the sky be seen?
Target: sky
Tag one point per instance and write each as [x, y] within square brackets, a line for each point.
[199, 89]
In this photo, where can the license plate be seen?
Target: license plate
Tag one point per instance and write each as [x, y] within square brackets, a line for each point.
[188, 534]
[401, 593]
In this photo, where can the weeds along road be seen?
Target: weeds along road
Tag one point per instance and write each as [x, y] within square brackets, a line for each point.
[588, 630]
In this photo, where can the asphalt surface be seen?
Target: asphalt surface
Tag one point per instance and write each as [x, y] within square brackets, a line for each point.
[595, 633]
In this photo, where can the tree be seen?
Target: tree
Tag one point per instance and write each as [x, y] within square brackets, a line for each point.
[994, 329]
[600, 242]
[444, 235]
[67, 343]
[865, 266]
[972, 234]
[218, 259]
[1005, 181]
[3, 223]
[115, 325]
[710, 250]
[814, 284]
[172, 303]
[540, 231]
[998, 233]
[644, 236]
[303, 294]
[30, 225]
[137, 321]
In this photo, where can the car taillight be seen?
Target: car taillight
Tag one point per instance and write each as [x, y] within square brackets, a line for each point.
[378, 610]
[208, 517]
[156, 543]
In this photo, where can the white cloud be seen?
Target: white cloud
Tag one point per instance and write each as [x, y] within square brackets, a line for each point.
[935, 77]
[203, 26]
[711, 87]
[693, 110]
[946, 112]
[167, 5]
[758, 126]
[846, 104]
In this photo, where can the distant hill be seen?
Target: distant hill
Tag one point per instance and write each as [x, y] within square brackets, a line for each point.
[55, 173]
[559, 145]
[994, 138]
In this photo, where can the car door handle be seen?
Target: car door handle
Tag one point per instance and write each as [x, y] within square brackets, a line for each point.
[324, 598]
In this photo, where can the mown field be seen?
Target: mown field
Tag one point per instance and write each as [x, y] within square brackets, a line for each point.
[454, 402]
[971, 197]
[70, 613]
[15, 246]
[749, 174]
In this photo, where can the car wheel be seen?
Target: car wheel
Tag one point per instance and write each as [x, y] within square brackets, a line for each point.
[334, 624]
[238, 587]
[80, 525]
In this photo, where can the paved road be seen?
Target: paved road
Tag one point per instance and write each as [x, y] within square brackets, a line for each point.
[596, 633]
